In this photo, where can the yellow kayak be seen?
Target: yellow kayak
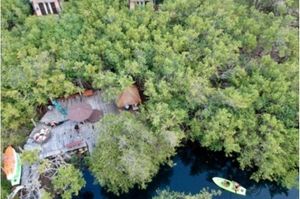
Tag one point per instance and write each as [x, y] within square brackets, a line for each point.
[229, 185]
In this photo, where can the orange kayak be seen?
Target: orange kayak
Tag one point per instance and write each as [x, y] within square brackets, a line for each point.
[12, 165]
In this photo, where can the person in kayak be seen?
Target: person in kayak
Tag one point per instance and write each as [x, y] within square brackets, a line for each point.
[236, 187]
[226, 183]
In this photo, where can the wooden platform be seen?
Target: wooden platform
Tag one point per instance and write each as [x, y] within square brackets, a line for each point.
[64, 137]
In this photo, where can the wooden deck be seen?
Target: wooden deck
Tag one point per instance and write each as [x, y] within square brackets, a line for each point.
[64, 137]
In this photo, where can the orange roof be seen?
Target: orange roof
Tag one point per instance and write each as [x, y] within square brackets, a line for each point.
[129, 96]
[9, 160]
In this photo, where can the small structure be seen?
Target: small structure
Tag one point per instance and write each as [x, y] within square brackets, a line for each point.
[133, 3]
[45, 7]
[129, 97]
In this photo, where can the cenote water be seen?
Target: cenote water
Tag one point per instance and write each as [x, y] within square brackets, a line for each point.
[193, 170]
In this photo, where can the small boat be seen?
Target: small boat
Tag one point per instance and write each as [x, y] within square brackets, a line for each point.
[229, 185]
[12, 165]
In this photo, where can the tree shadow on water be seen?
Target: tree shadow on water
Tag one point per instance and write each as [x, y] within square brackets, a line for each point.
[202, 160]
[87, 195]
[274, 189]
[162, 179]
[215, 164]
[195, 160]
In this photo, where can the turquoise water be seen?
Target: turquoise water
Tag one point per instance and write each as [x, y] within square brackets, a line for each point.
[193, 170]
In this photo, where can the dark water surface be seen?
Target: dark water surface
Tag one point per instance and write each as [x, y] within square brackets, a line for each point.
[193, 170]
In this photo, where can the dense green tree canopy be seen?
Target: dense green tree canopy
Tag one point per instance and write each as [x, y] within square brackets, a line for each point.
[223, 73]
[128, 153]
[14, 13]
[68, 181]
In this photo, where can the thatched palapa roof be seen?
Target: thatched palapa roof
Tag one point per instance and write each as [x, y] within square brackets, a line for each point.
[129, 96]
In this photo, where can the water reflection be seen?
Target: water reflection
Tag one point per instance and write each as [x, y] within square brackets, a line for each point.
[214, 164]
[193, 171]
[160, 180]
[87, 195]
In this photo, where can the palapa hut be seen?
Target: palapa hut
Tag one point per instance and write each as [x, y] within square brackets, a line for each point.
[129, 97]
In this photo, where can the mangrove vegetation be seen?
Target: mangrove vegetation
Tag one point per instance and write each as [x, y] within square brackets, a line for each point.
[223, 74]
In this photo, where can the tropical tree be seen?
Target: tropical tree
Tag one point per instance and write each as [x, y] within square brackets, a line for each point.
[68, 181]
[127, 153]
[65, 178]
